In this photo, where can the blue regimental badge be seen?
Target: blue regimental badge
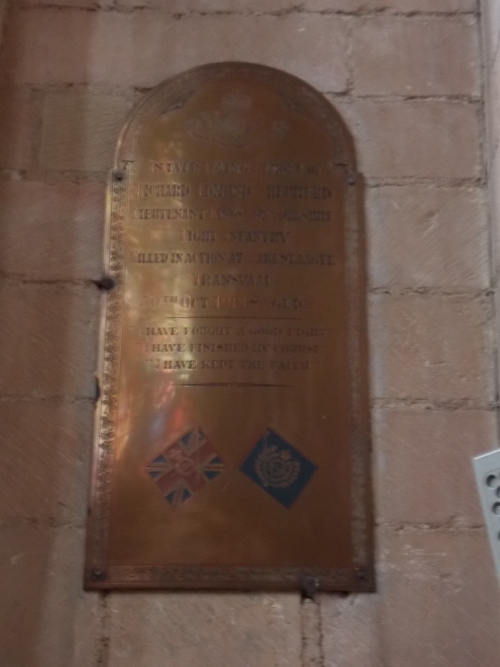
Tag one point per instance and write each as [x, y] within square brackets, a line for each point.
[278, 468]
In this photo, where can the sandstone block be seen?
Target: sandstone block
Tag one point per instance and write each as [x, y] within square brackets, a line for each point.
[52, 232]
[422, 464]
[494, 194]
[437, 604]
[491, 28]
[431, 347]
[213, 6]
[201, 630]
[440, 602]
[44, 455]
[266, 6]
[80, 130]
[416, 56]
[434, 6]
[46, 618]
[351, 636]
[493, 104]
[255, 6]
[17, 126]
[48, 340]
[63, 46]
[415, 138]
[87, 4]
[422, 236]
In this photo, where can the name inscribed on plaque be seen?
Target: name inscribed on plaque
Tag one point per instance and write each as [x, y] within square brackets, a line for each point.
[232, 438]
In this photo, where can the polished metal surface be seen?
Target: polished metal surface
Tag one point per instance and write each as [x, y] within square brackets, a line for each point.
[232, 438]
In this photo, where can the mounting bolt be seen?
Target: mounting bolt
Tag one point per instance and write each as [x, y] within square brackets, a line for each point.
[97, 389]
[99, 575]
[309, 586]
[119, 176]
[106, 283]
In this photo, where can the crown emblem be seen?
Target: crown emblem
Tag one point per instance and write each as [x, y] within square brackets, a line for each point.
[235, 124]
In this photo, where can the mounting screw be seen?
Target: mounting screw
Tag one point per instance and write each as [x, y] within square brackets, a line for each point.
[361, 575]
[309, 586]
[351, 179]
[97, 389]
[119, 176]
[99, 575]
[106, 283]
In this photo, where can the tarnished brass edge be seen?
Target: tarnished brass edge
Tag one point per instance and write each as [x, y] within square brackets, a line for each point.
[356, 287]
[228, 578]
[107, 373]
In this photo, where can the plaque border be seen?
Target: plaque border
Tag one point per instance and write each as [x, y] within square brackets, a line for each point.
[98, 574]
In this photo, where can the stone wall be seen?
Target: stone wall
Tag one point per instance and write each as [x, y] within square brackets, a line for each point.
[491, 50]
[407, 77]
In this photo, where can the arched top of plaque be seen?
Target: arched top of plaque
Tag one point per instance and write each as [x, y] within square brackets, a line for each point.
[241, 106]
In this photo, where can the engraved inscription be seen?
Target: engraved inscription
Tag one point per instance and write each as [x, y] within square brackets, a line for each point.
[169, 214]
[298, 192]
[164, 190]
[235, 123]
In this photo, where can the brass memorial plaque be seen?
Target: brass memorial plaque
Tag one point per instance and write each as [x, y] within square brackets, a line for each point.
[232, 432]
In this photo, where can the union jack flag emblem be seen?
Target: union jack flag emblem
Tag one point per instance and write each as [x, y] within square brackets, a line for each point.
[185, 467]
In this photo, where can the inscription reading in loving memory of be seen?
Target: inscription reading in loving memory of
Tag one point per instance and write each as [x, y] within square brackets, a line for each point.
[232, 429]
